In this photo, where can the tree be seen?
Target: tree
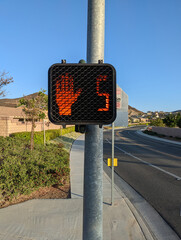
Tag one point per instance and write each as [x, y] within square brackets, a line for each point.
[179, 121]
[4, 80]
[171, 120]
[157, 122]
[34, 109]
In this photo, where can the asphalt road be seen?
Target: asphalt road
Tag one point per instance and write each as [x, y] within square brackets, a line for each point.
[152, 168]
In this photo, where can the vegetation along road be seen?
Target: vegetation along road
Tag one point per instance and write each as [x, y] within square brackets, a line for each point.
[152, 168]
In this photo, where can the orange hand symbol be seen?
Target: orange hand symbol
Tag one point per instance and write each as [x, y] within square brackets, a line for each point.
[65, 96]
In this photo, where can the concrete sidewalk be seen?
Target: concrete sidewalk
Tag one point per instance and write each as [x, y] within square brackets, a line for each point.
[118, 220]
[61, 219]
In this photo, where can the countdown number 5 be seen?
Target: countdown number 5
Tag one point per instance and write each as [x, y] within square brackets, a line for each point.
[101, 78]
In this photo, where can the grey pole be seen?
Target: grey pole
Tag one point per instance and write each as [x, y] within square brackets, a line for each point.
[112, 182]
[93, 164]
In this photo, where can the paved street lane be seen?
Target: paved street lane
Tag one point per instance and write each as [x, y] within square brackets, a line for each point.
[152, 168]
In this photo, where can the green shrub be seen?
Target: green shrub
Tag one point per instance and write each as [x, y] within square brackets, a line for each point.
[171, 120]
[157, 122]
[38, 136]
[23, 171]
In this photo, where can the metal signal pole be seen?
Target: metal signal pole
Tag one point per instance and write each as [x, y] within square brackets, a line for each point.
[93, 164]
[112, 182]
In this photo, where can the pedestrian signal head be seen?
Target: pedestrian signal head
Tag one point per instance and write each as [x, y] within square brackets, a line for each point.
[82, 94]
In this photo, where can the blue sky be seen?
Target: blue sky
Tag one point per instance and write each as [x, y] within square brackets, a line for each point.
[142, 41]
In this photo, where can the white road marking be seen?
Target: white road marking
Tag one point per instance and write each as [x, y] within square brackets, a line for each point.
[149, 164]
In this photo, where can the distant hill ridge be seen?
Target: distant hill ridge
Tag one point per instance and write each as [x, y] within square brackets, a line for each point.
[14, 102]
[8, 102]
[177, 111]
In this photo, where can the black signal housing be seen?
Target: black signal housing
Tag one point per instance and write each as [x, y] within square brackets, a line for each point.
[81, 94]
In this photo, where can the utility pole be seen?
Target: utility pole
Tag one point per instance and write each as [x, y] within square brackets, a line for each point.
[93, 165]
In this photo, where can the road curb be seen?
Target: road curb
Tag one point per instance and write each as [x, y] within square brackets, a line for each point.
[140, 132]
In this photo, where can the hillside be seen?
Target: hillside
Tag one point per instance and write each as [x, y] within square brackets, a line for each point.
[133, 111]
